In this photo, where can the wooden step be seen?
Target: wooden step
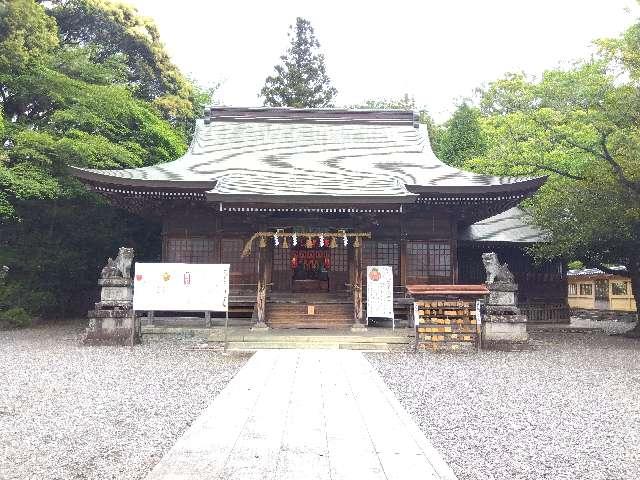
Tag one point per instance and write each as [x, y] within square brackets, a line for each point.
[296, 315]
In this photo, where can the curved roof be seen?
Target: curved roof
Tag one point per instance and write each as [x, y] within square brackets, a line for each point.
[509, 226]
[273, 155]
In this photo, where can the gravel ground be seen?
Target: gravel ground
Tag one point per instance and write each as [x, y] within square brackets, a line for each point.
[569, 408]
[74, 412]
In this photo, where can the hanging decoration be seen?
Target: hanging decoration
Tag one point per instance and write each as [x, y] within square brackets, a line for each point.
[319, 239]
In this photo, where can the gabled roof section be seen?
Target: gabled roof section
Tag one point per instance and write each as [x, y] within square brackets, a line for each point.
[509, 226]
[276, 155]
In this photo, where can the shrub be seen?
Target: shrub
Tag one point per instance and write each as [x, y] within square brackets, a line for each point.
[15, 318]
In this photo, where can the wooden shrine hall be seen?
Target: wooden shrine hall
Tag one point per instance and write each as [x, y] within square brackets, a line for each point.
[300, 201]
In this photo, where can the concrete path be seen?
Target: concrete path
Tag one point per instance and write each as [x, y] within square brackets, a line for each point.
[291, 414]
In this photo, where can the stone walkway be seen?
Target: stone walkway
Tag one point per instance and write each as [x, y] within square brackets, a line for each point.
[291, 414]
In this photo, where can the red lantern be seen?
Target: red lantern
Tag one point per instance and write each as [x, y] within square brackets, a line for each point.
[327, 263]
[294, 263]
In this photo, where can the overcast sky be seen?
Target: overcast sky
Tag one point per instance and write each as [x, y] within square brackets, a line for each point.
[437, 51]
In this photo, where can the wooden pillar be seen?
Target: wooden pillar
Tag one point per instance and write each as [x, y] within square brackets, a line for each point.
[357, 288]
[454, 252]
[402, 262]
[264, 275]
[454, 261]
[402, 256]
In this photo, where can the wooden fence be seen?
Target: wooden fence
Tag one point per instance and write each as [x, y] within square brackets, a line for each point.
[545, 312]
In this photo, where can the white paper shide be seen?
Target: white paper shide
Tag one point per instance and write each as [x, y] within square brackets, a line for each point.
[181, 287]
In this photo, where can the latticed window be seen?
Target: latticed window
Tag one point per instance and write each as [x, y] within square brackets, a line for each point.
[231, 252]
[190, 250]
[381, 253]
[573, 289]
[619, 288]
[339, 261]
[429, 260]
[586, 289]
[281, 259]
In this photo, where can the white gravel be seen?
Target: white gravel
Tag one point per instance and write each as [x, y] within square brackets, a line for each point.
[73, 412]
[569, 408]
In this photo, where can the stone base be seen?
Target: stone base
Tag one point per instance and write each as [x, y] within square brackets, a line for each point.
[505, 335]
[358, 328]
[116, 294]
[260, 327]
[112, 327]
[466, 347]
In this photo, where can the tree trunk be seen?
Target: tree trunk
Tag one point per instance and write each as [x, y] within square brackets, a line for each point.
[634, 273]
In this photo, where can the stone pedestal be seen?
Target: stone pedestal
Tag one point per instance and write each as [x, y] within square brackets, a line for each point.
[113, 320]
[503, 326]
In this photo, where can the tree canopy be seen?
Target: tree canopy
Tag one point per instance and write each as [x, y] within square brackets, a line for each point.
[462, 137]
[580, 126]
[70, 100]
[301, 79]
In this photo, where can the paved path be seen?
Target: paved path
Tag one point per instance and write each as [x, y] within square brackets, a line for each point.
[291, 414]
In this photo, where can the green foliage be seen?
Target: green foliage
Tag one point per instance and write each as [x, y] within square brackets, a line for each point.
[58, 248]
[462, 137]
[71, 105]
[301, 79]
[581, 127]
[15, 317]
[119, 39]
[575, 265]
[27, 35]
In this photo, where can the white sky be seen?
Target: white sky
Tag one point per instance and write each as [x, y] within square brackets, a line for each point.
[435, 50]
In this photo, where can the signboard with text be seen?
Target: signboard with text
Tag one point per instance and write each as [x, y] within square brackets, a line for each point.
[379, 292]
[181, 287]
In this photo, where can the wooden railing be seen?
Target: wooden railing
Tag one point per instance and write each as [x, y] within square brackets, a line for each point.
[545, 312]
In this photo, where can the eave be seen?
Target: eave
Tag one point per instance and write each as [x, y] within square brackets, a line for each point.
[92, 176]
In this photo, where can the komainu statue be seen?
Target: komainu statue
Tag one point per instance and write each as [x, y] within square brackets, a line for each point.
[495, 271]
[121, 266]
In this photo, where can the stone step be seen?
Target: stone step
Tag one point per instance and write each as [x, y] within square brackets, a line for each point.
[239, 346]
[310, 338]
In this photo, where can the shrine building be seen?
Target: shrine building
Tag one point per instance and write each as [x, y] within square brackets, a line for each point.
[300, 201]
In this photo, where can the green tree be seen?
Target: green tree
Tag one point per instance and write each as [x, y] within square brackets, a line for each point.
[112, 30]
[581, 127]
[462, 137]
[301, 79]
[61, 107]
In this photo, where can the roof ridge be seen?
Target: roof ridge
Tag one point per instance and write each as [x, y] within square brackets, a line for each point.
[310, 115]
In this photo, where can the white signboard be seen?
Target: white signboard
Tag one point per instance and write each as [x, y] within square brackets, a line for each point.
[181, 287]
[380, 292]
